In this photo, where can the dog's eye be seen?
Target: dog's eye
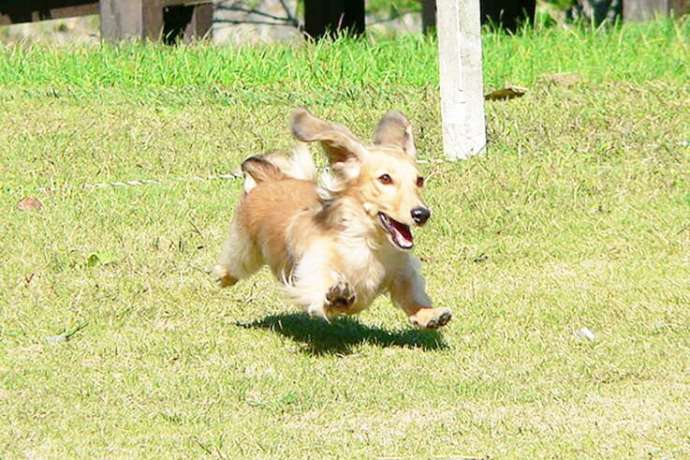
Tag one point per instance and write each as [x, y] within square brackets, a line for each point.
[385, 179]
[420, 181]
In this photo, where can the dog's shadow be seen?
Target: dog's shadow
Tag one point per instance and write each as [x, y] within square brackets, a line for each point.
[339, 337]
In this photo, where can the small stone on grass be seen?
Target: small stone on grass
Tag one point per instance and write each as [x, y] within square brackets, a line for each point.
[585, 333]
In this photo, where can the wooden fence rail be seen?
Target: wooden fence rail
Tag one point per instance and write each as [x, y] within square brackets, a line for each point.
[121, 19]
[189, 19]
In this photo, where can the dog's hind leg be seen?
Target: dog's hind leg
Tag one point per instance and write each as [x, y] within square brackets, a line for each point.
[239, 259]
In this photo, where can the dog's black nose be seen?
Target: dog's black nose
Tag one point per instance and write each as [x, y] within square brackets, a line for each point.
[420, 215]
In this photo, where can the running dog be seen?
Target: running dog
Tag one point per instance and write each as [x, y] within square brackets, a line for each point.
[337, 241]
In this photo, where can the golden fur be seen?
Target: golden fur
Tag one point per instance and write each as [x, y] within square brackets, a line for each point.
[338, 242]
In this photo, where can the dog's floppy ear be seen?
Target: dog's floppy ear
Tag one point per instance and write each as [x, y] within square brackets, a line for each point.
[338, 142]
[394, 129]
[258, 169]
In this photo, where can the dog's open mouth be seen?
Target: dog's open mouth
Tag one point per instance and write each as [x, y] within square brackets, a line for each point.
[399, 233]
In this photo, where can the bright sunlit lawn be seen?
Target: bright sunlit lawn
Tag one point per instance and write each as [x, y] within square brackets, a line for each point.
[115, 343]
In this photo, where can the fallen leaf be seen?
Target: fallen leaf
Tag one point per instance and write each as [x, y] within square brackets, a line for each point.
[480, 258]
[100, 258]
[65, 336]
[56, 339]
[29, 203]
[509, 92]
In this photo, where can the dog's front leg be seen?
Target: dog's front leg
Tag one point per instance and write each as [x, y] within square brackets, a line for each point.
[407, 292]
[324, 296]
[319, 288]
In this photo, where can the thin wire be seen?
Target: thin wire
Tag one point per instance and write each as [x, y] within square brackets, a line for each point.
[143, 182]
[139, 182]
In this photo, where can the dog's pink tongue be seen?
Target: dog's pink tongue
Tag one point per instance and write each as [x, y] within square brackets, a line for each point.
[402, 234]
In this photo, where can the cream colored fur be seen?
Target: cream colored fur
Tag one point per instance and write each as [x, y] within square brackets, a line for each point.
[324, 237]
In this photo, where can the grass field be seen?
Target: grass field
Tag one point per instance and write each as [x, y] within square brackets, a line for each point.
[578, 217]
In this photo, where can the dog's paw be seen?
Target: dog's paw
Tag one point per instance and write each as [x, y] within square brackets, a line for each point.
[340, 296]
[431, 318]
[222, 277]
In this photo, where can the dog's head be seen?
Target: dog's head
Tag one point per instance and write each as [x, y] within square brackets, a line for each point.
[381, 177]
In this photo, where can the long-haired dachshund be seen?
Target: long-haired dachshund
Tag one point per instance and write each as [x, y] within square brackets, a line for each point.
[338, 241]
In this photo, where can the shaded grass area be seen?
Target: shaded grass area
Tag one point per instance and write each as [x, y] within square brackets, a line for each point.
[344, 334]
[577, 217]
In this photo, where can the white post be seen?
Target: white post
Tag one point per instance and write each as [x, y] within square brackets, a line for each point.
[462, 94]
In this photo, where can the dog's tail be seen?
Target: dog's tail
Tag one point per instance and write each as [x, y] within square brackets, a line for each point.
[278, 166]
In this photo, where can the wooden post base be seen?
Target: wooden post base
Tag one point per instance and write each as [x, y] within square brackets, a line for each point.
[646, 10]
[168, 20]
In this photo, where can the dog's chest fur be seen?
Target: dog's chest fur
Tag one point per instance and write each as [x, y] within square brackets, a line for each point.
[367, 270]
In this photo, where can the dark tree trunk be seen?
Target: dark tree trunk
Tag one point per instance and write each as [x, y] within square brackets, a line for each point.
[332, 17]
[508, 14]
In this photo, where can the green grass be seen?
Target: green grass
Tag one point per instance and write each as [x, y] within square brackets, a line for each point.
[632, 53]
[577, 217]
